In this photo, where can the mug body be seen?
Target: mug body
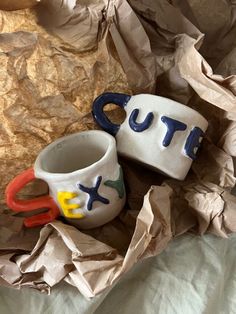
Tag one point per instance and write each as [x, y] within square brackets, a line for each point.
[158, 132]
[167, 141]
[84, 177]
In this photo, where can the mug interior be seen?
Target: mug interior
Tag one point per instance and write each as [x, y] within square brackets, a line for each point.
[74, 152]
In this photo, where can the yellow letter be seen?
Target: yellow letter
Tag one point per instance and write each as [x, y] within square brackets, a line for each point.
[63, 198]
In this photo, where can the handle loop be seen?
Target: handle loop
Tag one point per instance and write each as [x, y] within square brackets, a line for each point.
[100, 102]
[29, 205]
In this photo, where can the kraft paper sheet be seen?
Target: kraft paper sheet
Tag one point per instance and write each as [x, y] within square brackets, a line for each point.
[55, 59]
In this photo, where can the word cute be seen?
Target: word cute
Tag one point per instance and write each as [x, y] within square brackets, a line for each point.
[193, 140]
[164, 118]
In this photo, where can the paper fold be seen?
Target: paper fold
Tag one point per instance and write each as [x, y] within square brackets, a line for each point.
[52, 70]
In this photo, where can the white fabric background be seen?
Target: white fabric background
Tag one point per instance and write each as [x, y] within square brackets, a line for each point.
[193, 275]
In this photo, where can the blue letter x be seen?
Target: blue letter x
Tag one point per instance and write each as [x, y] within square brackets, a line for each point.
[93, 193]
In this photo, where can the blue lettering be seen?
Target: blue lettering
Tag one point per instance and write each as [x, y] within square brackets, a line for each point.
[193, 142]
[172, 126]
[140, 127]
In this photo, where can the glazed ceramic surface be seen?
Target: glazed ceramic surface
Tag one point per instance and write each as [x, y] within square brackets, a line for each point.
[84, 178]
[157, 131]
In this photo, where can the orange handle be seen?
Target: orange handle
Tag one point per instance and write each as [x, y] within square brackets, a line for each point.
[28, 205]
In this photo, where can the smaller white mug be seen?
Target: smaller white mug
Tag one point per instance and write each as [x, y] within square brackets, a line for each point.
[159, 132]
[84, 178]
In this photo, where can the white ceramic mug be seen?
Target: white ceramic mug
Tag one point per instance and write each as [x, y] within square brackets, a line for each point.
[84, 178]
[159, 132]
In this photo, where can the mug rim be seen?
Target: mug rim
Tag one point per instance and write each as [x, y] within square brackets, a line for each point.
[41, 173]
[190, 109]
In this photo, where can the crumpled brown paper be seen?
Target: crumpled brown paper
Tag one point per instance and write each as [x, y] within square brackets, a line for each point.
[11, 5]
[49, 78]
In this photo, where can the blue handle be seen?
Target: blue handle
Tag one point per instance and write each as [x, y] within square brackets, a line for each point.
[100, 102]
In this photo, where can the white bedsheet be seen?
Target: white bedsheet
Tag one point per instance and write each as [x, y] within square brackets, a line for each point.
[193, 275]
